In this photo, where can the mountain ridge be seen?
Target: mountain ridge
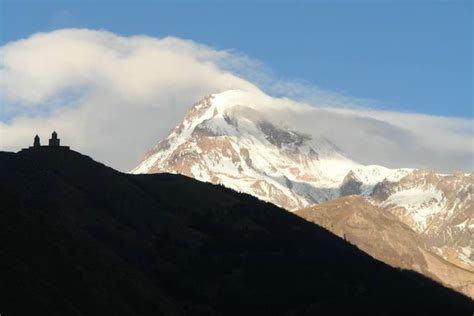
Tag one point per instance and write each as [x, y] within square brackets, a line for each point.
[231, 139]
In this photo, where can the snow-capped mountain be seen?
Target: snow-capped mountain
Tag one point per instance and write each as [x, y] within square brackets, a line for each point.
[231, 139]
[227, 139]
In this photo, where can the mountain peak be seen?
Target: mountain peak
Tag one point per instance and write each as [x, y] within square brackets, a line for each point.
[229, 138]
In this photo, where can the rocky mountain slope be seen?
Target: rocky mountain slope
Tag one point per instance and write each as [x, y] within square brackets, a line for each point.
[231, 139]
[440, 208]
[381, 234]
[79, 238]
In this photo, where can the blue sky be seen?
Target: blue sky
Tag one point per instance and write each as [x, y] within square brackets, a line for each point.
[413, 56]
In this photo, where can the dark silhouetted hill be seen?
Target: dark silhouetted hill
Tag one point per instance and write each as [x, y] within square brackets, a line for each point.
[79, 238]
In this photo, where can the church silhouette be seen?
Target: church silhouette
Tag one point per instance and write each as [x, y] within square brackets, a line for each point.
[54, 142]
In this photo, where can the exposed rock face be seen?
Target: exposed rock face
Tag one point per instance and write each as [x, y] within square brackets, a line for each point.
[227, 139]
[351, 185]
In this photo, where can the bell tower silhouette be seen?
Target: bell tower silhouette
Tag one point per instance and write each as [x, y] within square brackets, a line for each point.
[36, 142]
[54, 140]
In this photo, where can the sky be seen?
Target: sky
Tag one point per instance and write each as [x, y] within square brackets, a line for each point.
[392, 60]
[408, 55]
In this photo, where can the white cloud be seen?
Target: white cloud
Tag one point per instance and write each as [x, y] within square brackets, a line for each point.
[113, 97]
[392, 139]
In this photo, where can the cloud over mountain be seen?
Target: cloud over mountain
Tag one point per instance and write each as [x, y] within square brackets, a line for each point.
[113, 97]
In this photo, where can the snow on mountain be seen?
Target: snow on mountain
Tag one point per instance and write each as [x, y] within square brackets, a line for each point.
[419, 204]
[438, 207]
[228, 139]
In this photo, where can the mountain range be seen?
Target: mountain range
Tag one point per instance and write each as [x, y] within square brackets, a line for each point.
[423, 220]
[79, 238]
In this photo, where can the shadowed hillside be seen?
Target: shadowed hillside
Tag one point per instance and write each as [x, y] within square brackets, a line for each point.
[79, 238]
